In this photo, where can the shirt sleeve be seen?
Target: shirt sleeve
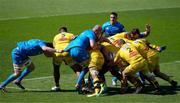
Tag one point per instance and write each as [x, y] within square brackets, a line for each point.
[42, 43]
[91, 36]
[142, 35]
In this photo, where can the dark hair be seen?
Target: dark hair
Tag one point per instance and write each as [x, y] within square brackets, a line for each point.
[122, 41]
[114, 13]
[135, 31]
[49, 44]
[63, 28]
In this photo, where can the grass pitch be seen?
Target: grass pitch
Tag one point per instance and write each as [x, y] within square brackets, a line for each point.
[23, 20]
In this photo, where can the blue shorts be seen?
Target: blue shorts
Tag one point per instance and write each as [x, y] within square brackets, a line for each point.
[79, 54]
[17, 56]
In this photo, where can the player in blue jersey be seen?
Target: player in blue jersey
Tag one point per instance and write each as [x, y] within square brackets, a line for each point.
[86, 40]
[20, 58]
[112, 27]
[78, 50]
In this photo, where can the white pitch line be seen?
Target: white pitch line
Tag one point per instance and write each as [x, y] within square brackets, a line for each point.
[39, 78]
[169, 62]
[28, 17]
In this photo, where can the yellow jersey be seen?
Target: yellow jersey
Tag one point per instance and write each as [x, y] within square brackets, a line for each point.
[129, 54]
[114, 39]
[61, 41]
[110, 47]
[143, 48]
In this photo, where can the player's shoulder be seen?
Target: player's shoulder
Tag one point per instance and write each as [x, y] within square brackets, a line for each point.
[119, 24]
[106, 24]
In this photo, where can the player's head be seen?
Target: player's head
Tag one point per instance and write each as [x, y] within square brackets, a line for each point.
[98, 31]
[113, 17]
[49, 44]
[46, 53]
[63, 29]
[121, 42]
[135, 33]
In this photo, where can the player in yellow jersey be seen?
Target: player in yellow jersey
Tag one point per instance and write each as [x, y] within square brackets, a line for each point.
[60, 41]
[136, 61]
[151, 56]
[130, 35]
[109, 51]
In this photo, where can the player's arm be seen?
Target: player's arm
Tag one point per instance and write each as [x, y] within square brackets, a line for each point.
[50, 50]
[104, 39]
[93, 44]
[155, 47]
[146, 32]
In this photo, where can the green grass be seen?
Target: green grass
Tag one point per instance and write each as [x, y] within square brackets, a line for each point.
[11, 9]
[165, 31]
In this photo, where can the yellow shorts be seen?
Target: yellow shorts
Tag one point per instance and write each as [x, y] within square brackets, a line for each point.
[136, 67]
[59, 59]
[96, 60]
[153, 62]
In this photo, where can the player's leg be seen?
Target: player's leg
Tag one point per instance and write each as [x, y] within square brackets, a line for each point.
[12, 77]
[95, 65]
[136, 82]
[80, 81]
[124, 85]
[29, 68]
[56, 75]
[18, 66]
[165, 77]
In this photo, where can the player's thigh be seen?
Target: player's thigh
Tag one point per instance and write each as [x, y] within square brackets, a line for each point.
[96, 59]
[153, 63]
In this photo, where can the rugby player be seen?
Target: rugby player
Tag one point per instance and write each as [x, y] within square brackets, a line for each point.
[20, 58]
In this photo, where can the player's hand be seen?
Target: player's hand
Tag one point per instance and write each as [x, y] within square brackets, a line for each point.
[161, 48]
[147, 27]
[59, 51]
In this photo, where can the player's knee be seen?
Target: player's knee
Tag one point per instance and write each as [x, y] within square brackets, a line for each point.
[17, 74]
[94, 72]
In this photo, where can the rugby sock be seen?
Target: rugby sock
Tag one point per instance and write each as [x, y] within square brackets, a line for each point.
[114, 79]
[97, 86]
[23, 74]
[163, 76]
[142, 77]
[8, 80]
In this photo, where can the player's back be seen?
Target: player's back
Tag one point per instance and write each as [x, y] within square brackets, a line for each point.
[130, 54]
[115, 38]
[143, 48]
[110, 47]
[82, 40]
[31, 47]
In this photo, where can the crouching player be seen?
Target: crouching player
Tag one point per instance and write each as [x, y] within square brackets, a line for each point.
[109, 51]
[20, 58]
[128, 53]
[151, 55]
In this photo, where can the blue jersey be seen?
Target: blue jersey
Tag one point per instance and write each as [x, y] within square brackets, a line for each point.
[110, 30]
[31, 47]
[82, 40]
